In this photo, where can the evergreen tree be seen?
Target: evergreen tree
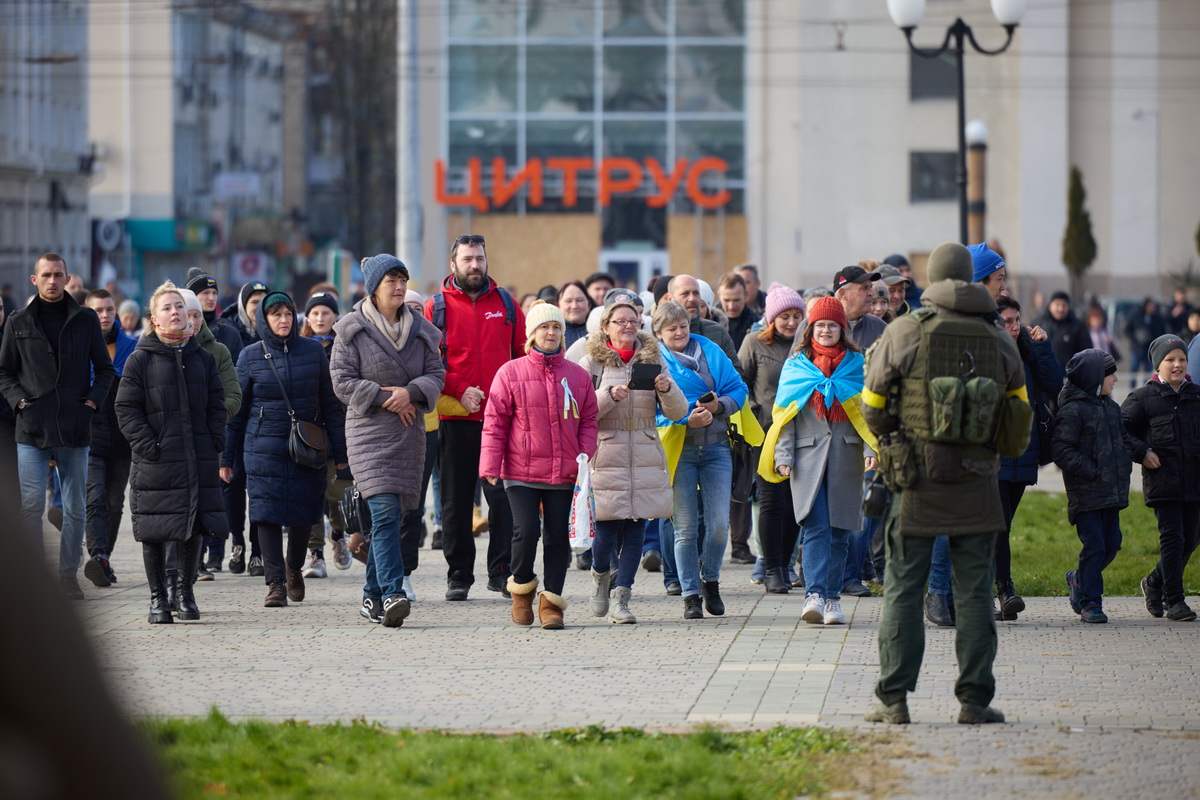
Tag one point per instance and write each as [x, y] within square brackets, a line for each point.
[1078, 246]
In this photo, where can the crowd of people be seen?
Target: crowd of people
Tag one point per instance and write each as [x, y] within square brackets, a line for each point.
[276, 417]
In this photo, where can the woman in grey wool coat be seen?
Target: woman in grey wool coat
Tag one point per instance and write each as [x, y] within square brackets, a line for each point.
[387, 368]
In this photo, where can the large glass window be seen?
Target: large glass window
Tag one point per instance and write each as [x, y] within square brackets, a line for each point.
[931, 176]
[559, 79]
[709, 79]
[560, 18]
[635, 78]
[596, 79]
[483, 78]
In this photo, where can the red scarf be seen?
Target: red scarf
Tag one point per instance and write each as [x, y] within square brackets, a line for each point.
[625, 355]
[827, 359]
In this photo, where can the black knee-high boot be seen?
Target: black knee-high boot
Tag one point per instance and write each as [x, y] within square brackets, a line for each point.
[189, 562]
[155, 558]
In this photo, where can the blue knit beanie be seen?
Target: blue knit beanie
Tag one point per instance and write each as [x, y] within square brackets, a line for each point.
[375, 267]
[986, 261]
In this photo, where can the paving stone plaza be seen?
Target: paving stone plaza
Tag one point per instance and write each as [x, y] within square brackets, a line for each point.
[1093, 711]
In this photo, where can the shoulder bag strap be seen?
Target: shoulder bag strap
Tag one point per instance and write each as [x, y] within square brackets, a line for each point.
[275, 372]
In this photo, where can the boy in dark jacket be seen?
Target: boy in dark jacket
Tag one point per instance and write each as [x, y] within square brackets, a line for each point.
[1091, 448]
[1163, 421]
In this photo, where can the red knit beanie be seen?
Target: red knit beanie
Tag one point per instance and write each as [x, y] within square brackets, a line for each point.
[829, 308]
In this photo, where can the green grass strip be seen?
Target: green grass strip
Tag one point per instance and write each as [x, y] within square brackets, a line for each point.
[213, 757]
[1044, 546]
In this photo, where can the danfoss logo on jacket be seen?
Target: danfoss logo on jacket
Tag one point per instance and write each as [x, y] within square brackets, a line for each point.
[493, 315]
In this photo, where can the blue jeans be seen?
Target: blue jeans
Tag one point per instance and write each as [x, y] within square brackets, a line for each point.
[710, 467]
[939, 567]
[623, 537]
[385, 565]
[823, 549]
[32, 465]
[666, 538]
[1100, 533]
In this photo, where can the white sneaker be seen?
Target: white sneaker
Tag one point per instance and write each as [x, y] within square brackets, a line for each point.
[342, 559]
[408, 589]
[833, 613]
[814, 609]
[315, 568]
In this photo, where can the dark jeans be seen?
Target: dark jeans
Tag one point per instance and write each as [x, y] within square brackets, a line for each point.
[234, 493]
[106, 482]
[1100, 533]
[271, 539]
[740, 525]
[412, 526]
[531, 509]
[902, 625]
[777, 526]
[623, 537]
[459, 443]
[1178, 532]
[1010, 498]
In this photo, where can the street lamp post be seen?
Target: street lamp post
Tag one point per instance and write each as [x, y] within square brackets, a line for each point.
[907, 14]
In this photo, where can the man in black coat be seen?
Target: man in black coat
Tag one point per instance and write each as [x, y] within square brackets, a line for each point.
[1068, 333]
[109, 458]
[55, 372]
[205, 287]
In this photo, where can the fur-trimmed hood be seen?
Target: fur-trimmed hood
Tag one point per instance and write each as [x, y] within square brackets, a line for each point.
[647, 350]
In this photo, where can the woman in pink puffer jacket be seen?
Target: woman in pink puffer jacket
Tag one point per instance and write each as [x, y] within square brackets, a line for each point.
[541, 414]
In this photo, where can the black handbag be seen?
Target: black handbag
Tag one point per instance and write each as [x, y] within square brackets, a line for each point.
[744, 467]
[355, 511]
[308, 443]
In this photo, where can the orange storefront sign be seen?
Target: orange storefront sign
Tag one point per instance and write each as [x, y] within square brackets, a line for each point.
[614, 176]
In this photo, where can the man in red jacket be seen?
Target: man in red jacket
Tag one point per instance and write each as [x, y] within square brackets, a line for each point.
[482, 329]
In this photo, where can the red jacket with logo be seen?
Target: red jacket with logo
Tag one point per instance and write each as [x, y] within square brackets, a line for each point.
[479, 340]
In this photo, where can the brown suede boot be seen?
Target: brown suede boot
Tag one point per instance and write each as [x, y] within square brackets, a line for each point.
[550, 610]
[295, 585]
[522, 597]
[276, 595]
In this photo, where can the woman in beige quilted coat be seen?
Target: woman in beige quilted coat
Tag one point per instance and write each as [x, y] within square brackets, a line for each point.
[629, 471]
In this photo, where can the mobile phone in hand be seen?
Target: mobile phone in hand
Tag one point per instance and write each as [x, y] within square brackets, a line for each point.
[707, 398]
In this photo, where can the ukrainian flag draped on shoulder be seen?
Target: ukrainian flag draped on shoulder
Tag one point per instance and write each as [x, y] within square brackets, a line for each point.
[797, 382]
[728, 384]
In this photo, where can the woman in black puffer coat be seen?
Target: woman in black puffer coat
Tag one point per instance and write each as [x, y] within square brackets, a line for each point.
[282, 493]
[171, 408]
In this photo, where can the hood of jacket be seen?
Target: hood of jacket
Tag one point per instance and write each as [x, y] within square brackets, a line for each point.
[960, 296]
[646, 350]
[204, 337]
[1085, 371]
[267, 335]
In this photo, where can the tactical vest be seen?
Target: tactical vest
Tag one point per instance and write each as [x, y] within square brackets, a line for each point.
[957, 383]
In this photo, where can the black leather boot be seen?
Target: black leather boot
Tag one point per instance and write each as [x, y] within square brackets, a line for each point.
[937, 610]
[774, 581]
[173, 589]
[713, 603]
[1011, 603]
[189, 561]
[155, 559]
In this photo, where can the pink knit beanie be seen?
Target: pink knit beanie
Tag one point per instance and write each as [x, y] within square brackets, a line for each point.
[779, 299]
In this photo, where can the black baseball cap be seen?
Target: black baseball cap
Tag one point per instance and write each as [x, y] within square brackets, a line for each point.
[853, 275]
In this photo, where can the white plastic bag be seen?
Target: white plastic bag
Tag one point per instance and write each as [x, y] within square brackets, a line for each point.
[583, 508]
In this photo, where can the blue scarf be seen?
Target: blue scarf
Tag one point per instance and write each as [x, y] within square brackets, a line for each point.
[728, 382]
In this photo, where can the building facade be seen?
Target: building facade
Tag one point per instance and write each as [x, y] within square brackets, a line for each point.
[558, 129]
[45, 154]
[187, 108]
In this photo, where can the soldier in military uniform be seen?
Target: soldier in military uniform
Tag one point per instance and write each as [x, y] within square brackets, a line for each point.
[940, 392]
